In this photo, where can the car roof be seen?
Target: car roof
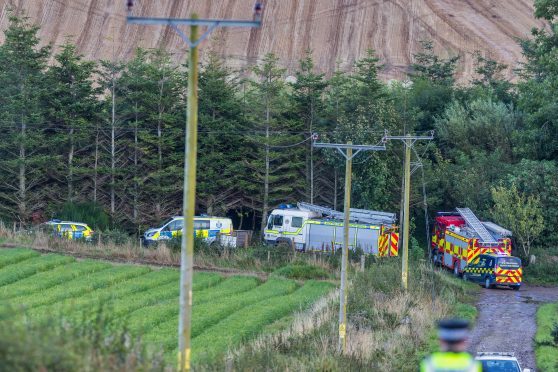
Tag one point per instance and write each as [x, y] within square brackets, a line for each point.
[496, 357]
[58, 222]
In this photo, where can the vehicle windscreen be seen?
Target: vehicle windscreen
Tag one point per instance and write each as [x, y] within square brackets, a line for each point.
[509, 263]
[500, 366]
[167, 222]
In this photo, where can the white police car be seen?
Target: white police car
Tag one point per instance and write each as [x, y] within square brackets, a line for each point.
[499, 362]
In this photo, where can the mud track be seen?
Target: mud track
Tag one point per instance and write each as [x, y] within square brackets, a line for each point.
[506, 321]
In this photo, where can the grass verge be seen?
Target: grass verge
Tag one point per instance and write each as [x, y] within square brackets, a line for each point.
[546, 344]
[388, 330]
[544, 271]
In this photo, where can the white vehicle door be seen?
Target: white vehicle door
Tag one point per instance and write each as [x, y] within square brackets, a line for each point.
[292, 224]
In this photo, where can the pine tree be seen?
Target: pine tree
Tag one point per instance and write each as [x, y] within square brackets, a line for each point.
[23, 162]
[71, 111]
[222, 145]
[107, 164]
[162, 136]
[274, 164]
[307, 94]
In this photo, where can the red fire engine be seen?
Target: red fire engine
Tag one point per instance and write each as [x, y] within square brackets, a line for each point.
[460, 237]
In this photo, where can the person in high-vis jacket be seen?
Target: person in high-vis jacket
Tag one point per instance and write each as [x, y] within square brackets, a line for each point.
[453, 357]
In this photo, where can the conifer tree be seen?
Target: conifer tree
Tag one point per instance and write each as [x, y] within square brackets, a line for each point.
[275, 165]
[24, 184]
[71, 111]
[308, 90]
[222, 146]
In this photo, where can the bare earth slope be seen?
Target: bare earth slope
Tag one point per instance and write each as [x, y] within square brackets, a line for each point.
[337, 31]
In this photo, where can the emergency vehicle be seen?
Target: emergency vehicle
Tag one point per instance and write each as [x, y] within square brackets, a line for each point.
[310, 227]
[490, 270]
[204, 226]
[69, 230]
[459, 238]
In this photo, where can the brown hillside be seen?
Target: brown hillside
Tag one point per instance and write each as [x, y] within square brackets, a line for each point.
[336, 30]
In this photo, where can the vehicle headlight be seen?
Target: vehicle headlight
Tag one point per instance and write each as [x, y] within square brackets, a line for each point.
[150, 234]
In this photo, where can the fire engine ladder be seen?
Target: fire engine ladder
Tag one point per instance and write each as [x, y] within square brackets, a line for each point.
[360, 215]
[476, 225]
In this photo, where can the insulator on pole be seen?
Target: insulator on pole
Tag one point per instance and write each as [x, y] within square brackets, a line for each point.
[258, 11]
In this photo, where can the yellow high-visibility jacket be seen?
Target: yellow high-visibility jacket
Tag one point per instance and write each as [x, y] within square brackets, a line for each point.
[450, 362]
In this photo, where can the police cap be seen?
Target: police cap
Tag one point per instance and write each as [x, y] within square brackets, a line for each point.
[453, 330]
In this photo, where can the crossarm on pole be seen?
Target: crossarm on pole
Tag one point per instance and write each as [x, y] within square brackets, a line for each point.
[194, 22]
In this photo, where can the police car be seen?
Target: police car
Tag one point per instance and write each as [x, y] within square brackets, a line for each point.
[490, 270]
[205, 227]
[69, 230]
[499, 362]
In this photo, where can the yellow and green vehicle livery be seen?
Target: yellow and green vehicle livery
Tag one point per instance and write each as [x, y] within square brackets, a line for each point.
[204, 226]
[309, 227]
[490, 270]
[70, 230]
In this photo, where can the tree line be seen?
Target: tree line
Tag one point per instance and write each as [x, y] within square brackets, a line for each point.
[108, 136]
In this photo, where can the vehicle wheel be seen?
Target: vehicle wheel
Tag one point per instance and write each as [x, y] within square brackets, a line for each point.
[487, 283]
[456, 270]
[516, 288]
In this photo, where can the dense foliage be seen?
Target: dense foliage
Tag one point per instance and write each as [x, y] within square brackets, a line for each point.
[108, 136]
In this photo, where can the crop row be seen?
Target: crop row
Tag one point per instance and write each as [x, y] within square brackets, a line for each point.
[90, 300]
[147, 317]
[247, 323]
[80, 286]
[44, 280]
[11, 256]
[13, 273]
[206, 315]
[129, 295]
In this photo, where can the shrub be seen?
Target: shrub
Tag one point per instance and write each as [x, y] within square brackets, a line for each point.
[302, 271]
[545, 269]
[91, 213]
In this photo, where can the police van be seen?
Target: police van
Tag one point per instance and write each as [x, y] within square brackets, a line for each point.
[205, 227]
[491, 270]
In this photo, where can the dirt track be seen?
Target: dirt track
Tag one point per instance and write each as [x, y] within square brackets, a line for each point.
[506, 321]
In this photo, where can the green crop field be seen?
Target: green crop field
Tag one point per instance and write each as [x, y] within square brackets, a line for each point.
[227, 310]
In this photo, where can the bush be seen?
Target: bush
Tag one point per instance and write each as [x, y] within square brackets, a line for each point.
[91, 213]
[114, 236]
[545, 269]
[302, 271]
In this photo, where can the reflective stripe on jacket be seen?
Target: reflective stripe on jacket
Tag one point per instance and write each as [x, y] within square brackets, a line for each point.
[450, 362]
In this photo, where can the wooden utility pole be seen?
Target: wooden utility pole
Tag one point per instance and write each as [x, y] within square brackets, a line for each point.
[348, 155]
[405, 258]
[190, 154]
[408, 141]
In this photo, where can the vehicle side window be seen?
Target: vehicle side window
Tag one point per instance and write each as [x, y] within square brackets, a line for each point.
[201, 225]
[296, 222]
[66, 227]
[278, 220]
[80, 228]
[174, 226]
